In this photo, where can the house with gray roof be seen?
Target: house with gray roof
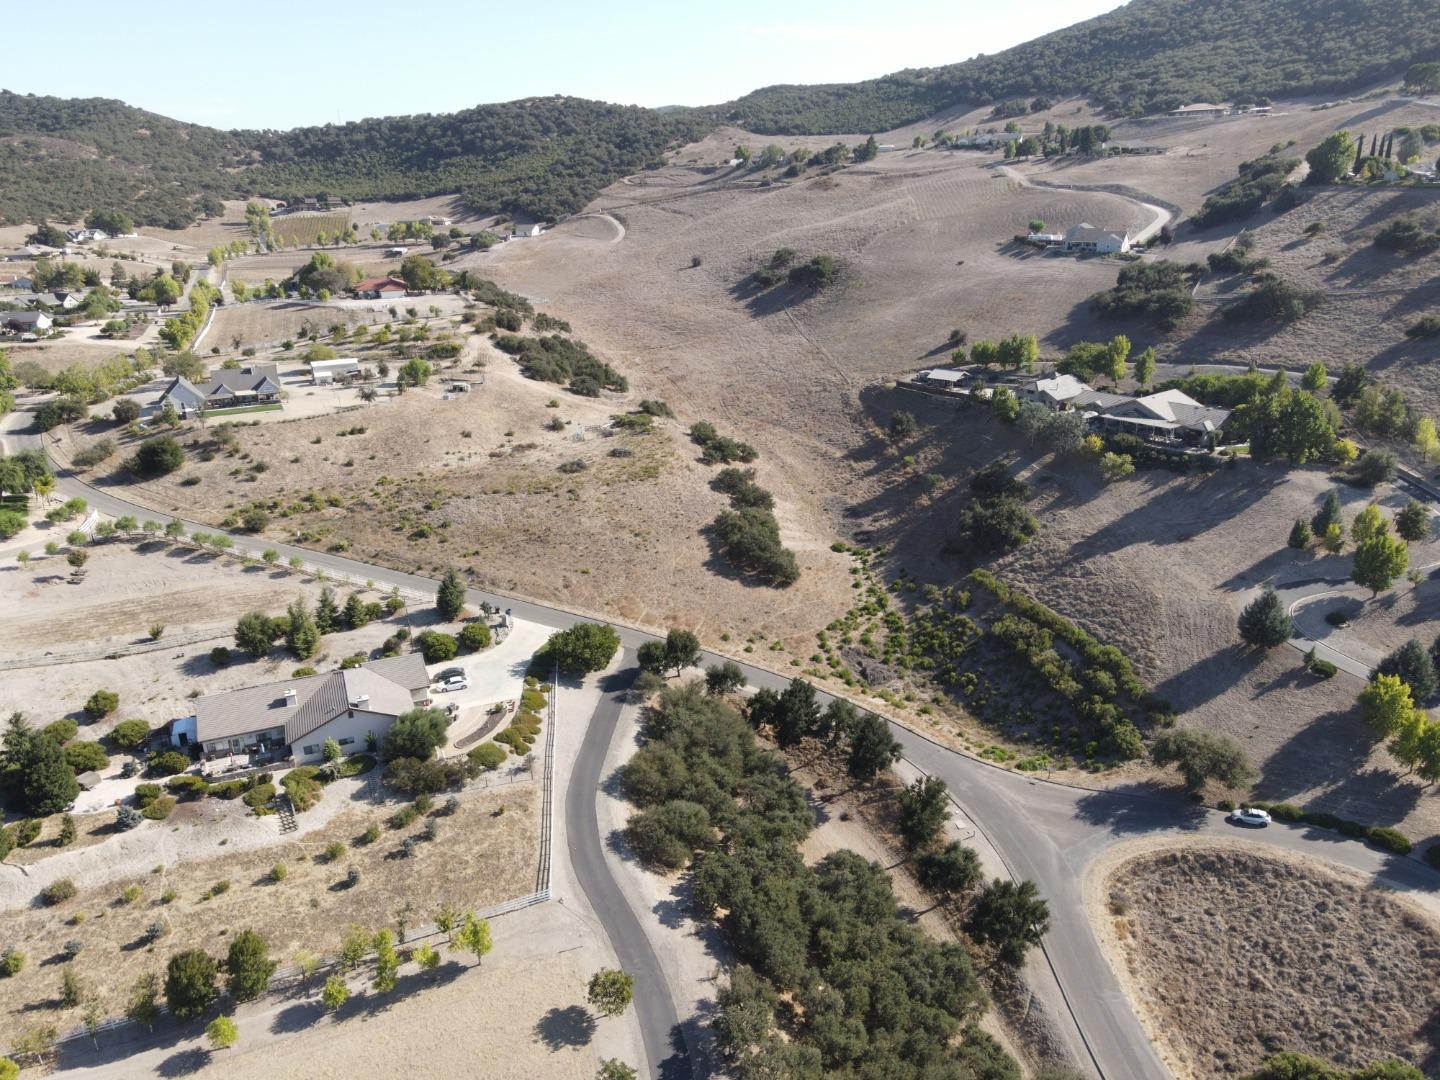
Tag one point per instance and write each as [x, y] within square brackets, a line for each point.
[26, 321]
[226, 388]
[1088, 239]
[295, 717]
[1169, 415]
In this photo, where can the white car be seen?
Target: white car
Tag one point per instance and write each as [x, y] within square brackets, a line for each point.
[454, 682]
[1249, 815]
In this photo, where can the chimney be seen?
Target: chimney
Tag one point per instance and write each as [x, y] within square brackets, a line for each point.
[289, 698]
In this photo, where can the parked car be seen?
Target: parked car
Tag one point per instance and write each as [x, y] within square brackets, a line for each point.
[455, 682]
[1249, 815]
[448, 673]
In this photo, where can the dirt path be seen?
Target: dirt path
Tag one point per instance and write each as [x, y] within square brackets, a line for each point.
[1162, 214]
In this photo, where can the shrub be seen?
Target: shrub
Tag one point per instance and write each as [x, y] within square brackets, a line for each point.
[129, 734]
[86, 756]
[1389, 839]
[101, 704]
[437, 647]
[488, 755]
[159, 809]
[475, 636]
[168, 762]
[187, 787]
[57, 892]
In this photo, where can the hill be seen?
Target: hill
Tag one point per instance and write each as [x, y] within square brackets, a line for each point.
[541, 156]
[61, 157]
[549, 156]
[1147, 56]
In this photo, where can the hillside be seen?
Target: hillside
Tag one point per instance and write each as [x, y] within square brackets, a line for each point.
[60, 157]
[540, 156]
[549, 156]
[1146, 56]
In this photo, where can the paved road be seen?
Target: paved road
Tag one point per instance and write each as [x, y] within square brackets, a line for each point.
[1047, 832]
[654, 1007]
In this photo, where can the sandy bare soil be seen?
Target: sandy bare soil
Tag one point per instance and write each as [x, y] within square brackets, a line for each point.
[519, 1015]
[485, 853]
[1231, 954]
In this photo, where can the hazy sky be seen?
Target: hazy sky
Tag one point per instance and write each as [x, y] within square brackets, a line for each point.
[266, 64]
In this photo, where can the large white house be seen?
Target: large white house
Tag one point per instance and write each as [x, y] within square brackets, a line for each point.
[300, 714]
[1086, 238]
[1166, 416]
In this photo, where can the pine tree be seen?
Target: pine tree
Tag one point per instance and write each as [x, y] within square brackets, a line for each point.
[1328, 514]
[1264, 622]
[450, 599]
[327, 614]
[354, 613]
[302, 636]
[1412, 664]
[1300, 534]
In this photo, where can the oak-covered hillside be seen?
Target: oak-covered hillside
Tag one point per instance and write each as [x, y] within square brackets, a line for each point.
[549, 156]
[1146, 56]
[543, 156]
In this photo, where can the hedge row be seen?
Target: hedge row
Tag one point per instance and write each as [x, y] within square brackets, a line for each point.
[1107, 657]
[1379, 835]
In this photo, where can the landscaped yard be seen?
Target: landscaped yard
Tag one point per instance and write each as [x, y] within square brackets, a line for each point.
[272, 406]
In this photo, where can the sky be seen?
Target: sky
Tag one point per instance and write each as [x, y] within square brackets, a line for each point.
[273, 64]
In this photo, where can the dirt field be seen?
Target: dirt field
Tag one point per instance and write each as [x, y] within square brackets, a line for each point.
[1231, 955]
[488, 466]
[484, 854]
[126, 590]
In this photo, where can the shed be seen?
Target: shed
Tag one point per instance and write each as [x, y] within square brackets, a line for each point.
[88, 780]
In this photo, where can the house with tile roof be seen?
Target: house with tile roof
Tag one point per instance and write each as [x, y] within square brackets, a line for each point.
[294, 718]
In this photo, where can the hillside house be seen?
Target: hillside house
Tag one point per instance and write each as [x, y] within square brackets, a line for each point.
[17, 281]
[294, 718]
[1167, 416]
[381, 288]
[525, 228]
[1087, 239]
[227, 388]
[27, 321]
[85, 236]
[1201, 108]
[1055, 392]
[326, 372]
[943, 378]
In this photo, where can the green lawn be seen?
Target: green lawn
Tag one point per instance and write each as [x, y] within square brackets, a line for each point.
[273, 406]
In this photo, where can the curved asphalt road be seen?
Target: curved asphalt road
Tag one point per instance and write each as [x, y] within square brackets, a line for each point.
[1046, 832]
[654, 1007]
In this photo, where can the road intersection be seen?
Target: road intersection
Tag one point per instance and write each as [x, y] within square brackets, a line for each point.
[1044, 831]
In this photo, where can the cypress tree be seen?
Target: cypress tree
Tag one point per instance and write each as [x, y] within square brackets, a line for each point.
[1300, 534]
[1264, 622]
[1374, 141]
[1359, 154]
[1329, 514]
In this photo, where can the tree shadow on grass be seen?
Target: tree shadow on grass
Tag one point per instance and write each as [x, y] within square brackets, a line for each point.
[1206, 680]
[572, 1026]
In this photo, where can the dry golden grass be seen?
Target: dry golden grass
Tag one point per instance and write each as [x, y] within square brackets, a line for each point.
[1236, 954]
[485, 853]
